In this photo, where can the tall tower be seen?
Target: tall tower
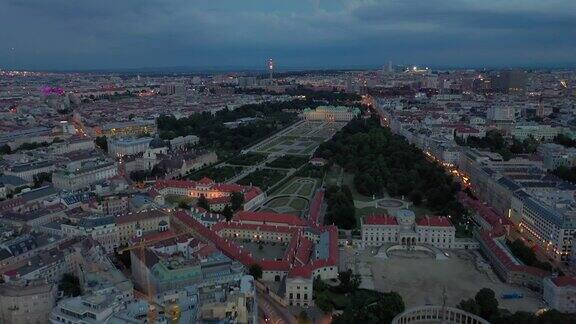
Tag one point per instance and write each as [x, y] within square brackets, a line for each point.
[271, 68]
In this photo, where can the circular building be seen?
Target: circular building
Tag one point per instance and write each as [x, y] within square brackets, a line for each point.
[437, 314]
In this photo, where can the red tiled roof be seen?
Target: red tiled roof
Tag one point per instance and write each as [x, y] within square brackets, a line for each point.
[261, 228]
[165, 183]
[229, 187]
[206, 181]
[439, 221]
[487, 213]
[564, 281]
[505, 259]
[153, 237]
[11, 203]
[316, 206]
[219, 200]
[252, 193]
[298, 252]
[302, 272]
[380, 220]
[269, 217]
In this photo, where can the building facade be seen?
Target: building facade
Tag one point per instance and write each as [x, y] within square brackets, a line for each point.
[404, 229]
[26, 303]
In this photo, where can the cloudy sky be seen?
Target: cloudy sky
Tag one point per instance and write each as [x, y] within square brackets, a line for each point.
[110, 34]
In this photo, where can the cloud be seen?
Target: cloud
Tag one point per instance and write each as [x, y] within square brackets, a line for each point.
[300, 33]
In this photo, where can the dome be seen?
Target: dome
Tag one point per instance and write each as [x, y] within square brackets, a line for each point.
[405, 217]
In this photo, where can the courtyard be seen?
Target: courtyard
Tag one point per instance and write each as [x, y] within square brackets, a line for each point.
[420, 279]
[269, 250]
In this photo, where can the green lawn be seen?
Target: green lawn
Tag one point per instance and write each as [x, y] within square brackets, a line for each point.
[263, 179]
[271, 144]
[306, 189]
[291, 188]
[366, 211]
[298, 204]
[248, 159]
[278, 202]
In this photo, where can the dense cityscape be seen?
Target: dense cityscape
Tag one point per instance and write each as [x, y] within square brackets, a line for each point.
[347, 162]
[288, 197]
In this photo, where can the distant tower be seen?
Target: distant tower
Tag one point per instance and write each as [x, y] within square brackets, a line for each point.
[390, 69]
[271, 68]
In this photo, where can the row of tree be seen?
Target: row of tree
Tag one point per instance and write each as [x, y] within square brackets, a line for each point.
[494, 141]
[485, 305]
[358, 305]
[341, 210]
[565, 173]
[564, 140]
[383, 162]
[270, 117]
[526, 255]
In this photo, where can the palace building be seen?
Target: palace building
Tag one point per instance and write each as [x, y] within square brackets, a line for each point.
[217, 194]
[404, 229]
[331, 113]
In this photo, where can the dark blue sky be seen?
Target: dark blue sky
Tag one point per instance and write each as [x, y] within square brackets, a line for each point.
[111, 34]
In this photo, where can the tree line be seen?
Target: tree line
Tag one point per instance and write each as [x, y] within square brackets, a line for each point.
[485, 305]
[495, 142]
[383, 162]
[270, 117]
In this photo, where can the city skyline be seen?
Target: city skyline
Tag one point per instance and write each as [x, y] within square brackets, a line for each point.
[299, 35]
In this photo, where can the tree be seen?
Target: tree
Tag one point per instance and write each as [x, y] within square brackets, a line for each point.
[236, 200]
[183, 205]
[102, 143]
[227, 212]
[341, 208]
[255, 270]
[42, 177]
[565, 173]
[564, 140]
[554, 316]
[139, 175]
[382, 161]
[469, 305]
[487, 302]
[367, 306]
[203, 203]
[323, 301]
[70, 285]
[349, 282]
[517, 318]
[5, 149]
[319, 285]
